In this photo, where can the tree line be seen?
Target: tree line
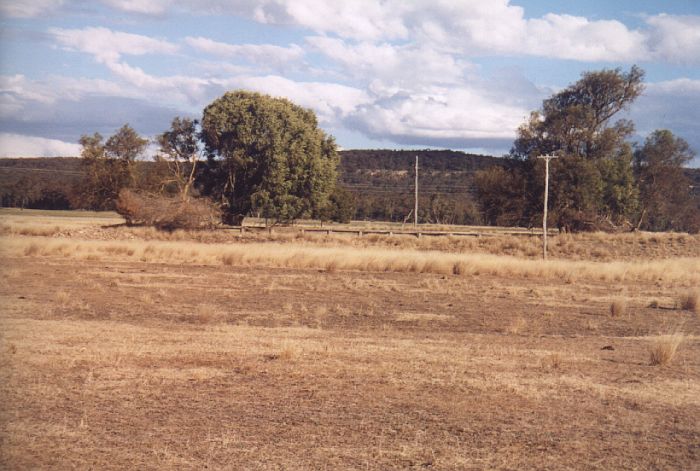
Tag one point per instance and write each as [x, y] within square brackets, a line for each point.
[252, 154]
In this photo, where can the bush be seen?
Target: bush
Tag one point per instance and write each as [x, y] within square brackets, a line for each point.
[166, 212]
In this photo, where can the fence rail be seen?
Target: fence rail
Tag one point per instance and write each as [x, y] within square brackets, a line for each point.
[388, 232]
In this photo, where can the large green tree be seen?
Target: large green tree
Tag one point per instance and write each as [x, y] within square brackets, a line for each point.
[268, 157]
[592, 182]
[666, 200]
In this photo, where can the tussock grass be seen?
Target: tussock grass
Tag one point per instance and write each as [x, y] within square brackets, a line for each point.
[690, 301]
[664, 348]
[553, 361]
[618, 307]
[685, 270]
[516, 326]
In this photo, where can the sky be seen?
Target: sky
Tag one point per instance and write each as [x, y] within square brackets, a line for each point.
[400, 74]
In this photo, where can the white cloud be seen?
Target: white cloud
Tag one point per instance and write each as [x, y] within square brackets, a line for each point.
[675, 38]
[448, 114]
[174, 89]
[19, 87]
[17, 91]
[28, 8]
[679, 86]
[359, 19]
[467, 26]
[143, 7]
[330, 101]
[265, 54]
[18, 145]
[402, 70]
[408, 64]
[108, 46]
[576, 38]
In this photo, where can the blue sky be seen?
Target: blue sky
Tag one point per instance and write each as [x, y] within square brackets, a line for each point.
[392, 73]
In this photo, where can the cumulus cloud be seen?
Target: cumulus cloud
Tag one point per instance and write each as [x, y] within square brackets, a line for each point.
[28, 8]
[397, 63]
[108, 46]
[675, 38]
[449, 116]
[331, 101]
[265, 54]
[469, 26]
[143, 7]
[577, 38]
[397, 70]
[18, 145]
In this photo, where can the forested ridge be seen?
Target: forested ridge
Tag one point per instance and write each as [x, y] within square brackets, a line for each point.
[381, 181]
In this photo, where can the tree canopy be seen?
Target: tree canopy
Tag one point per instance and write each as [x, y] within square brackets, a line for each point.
[592, 181]
[179, 147]
[109, 166]
[665, 194]
[268, 157]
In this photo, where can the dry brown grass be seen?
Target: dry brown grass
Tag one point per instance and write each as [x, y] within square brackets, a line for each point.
[587, 247]
[261, 354]
[664, 348]
[516, 326]
[682, 270]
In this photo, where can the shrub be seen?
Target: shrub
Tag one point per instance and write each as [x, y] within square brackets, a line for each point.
[166, 212]
[664, 349]
[691, 301]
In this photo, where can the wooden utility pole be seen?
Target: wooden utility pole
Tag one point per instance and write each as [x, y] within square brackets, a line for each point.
[415, 206]
[546, 158]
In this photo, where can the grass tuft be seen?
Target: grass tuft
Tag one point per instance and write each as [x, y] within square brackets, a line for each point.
[690, 301]
[618, 307]
[516, 326]
[664, 349]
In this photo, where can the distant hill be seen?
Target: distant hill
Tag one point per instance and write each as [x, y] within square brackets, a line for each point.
[382, 182]
[42, 183]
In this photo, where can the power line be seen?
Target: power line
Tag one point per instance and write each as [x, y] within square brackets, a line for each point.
[30, 169]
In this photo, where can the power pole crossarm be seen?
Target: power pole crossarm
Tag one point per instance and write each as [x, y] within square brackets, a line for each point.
[546, 158]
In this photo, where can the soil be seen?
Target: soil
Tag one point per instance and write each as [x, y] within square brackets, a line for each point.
[136, 365]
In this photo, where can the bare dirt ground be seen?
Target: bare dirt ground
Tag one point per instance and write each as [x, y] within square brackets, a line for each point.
[111, 362]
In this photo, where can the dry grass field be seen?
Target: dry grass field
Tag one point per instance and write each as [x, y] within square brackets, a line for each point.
[127, 348]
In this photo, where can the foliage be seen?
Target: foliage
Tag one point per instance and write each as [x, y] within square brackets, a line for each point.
[382, 182]
[592, 183]
[341, 208]
[267, 156]
[179, 148]
[109, 167]
[666, 198]
[500, 192]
